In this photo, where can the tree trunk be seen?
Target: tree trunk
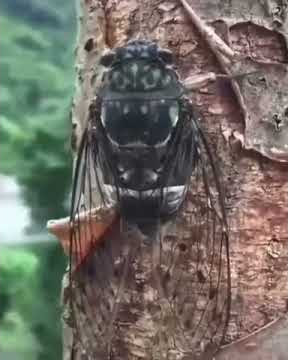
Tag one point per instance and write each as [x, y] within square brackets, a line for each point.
[248, 122]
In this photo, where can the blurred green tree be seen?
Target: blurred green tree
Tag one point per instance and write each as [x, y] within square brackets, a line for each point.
[18, 274]
[36, 64]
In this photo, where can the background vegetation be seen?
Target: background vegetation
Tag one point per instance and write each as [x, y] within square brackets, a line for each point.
[36, 65]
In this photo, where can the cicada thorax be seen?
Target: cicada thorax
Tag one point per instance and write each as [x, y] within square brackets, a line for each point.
[141, 119]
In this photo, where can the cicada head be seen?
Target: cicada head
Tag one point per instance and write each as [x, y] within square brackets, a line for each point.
[140, 94]
[140, 67]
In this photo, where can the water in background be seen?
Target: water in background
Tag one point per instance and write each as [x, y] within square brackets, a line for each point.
[14, 211]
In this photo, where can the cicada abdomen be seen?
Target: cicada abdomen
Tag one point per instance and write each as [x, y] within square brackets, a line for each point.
[143, 294]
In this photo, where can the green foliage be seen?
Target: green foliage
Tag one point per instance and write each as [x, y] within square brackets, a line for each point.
[35, 106]
[30, 311]
[37, 76]
[45, 320]
[18, 273]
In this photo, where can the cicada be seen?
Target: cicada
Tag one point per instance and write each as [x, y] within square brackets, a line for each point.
[158, 285]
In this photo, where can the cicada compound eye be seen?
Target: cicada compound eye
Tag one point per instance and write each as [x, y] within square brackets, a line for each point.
[108, 58]
[166, 56]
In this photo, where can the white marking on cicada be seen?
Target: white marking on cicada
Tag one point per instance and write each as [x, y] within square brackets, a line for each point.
[146, 68]
[154, 81]
[146, 85]
[128, 55]
[166, 80]
[102, 121]
[120, 167]
[150, 176]
[114, 143]
[115, 76]
[136, 144]
[144, 109]
[162, 143]
[118, 104]
[120, 81]
[126, 176]
[156, 74]
[174, 114]
[145, 54]
[126, 109]
[134, 70]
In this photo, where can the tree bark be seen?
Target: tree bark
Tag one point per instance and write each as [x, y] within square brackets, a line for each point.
[246, 119]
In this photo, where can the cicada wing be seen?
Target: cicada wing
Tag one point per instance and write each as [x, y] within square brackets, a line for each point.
[103, 282]
[166, 296]
[194, 268]
[87, 195]
[80, 234]
[99, 271]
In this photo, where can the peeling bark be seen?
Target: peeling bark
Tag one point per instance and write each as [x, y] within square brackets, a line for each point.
[247, 122]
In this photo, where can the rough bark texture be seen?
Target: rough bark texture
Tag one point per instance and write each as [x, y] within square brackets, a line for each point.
[249, 126]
